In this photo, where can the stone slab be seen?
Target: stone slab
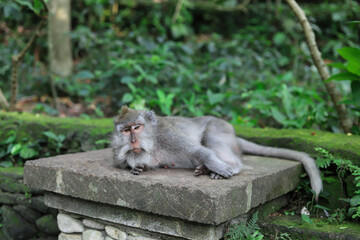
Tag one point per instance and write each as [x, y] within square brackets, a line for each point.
[167, 226]
[168, 192]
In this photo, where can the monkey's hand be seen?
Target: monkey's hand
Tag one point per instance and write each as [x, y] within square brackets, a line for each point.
[136, 170]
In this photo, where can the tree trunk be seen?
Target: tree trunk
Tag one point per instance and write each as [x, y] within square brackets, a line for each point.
[3, 102]
[334, 93]
[59, 28]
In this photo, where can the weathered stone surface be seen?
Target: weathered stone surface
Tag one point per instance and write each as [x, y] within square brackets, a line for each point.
[68, 224]
[48, 224]
[115, 233]
[141, 238]
[67, 236]
[15, 187]
[93, 224]
[136, 219]
[93, 235]
[37, 203]
[174, 192]
[15, 227]
[11, 199]
[108, 238]
[28, 213]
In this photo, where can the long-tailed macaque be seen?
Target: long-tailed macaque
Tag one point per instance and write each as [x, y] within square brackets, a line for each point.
[142, 140]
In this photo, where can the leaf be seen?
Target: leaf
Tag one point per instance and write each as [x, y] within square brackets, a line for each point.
[38, 5]
[6, 164]
[351, 54]
[344, 76]
[51, 135]
[306, 219]
[355, 89]
[27, 152]
[61, 138]
[127, 97]
[16, 149]
[279, 38]
[128, 79]
[84, 74]
[9, 140]
[102, 141]
[279, 117]
[3, 154]
[322, 207]
[214, 98]
[27, 4]
[152, 79]
[353, 68]
[337, 65]
[355, 201]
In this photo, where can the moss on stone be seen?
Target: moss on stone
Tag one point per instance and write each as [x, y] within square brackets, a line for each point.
[81, 133]
[13, 170]
[48, 224]
[306, 140]
[319, 230]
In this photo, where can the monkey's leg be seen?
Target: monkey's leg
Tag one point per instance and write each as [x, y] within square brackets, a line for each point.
[221, 139]
[208, 158]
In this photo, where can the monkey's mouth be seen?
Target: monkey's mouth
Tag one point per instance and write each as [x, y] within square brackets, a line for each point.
[136, 150]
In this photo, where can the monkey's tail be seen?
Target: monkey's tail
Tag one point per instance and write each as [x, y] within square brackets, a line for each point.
[308, 162]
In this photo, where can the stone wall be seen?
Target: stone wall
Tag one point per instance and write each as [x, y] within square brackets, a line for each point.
[23, 214]
[76, 227]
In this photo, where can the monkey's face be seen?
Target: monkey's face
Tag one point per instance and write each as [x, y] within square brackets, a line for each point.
[133, 135]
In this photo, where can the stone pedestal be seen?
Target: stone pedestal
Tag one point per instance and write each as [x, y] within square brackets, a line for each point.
[162, 203]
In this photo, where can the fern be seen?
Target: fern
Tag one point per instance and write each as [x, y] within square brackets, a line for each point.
[343, 166]
[245, 231]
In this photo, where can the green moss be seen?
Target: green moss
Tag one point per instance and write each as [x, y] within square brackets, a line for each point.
[82, 133]
[293, 227]
[13, 170]
[341, 145]
[319, 225]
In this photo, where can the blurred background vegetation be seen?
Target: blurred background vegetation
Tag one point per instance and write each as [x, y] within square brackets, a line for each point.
[249, 66]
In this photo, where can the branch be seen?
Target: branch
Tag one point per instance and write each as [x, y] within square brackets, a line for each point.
[177, 10]
[45, 6]
[334, 93]
[16, 60]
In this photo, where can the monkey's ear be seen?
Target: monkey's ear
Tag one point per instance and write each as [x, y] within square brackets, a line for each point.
[150, 116]
[124, 109]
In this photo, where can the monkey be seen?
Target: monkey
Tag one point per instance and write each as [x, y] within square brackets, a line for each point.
[142, 140]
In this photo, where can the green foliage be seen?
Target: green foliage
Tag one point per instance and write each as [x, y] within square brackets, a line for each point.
[178, 58]
[248, 231]
[14, 151]
[343, 167]
[55, 141]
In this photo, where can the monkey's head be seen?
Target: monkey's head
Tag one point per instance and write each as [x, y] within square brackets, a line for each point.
[133, 138]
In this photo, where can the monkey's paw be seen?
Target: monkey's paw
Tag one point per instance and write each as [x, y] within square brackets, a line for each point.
[215, 176]
[201, 170]
[136, 170]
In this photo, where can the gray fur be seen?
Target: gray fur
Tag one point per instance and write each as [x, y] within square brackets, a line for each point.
[178, 142]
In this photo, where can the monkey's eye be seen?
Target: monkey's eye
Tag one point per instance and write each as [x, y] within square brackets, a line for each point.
[136, 127]
[126, 130]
